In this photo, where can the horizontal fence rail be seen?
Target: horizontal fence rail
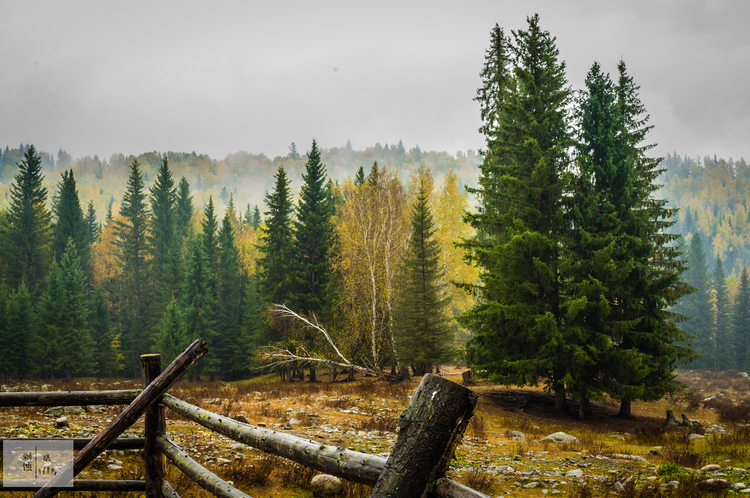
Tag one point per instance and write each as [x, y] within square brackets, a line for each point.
[69, 398]
[201, 475]
[351, 465]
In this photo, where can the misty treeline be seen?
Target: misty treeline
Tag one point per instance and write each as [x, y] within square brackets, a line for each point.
[81, 297]
[714, 221]
[247, 176]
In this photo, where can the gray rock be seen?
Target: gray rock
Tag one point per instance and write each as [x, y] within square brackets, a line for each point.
[560, 437]
[619, 487]
[518, 436]
[73, 410]
[712, 467]
[696, 436]
[532, 485]
[114, 466]
[743, 375]
[673, 484]
[326, 485]
[242, 418]
[55, 411]
[574, 473]
[738, 486]
[61, 422]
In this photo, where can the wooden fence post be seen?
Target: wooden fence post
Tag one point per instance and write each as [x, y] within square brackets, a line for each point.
[430, 429]
[154, 461]
[129, 415]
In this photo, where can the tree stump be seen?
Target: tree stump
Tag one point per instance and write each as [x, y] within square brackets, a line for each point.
[429, 431]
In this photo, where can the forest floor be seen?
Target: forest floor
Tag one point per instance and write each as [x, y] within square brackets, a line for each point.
[502, 454]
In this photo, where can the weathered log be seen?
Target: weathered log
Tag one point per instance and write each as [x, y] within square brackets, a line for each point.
[129, 443]
[69, 398]
[130, 414]
[168, 491]
[358, 467]
[154, 463]
[350, 465]
[430, 428]
[85, 485]
[202, 476]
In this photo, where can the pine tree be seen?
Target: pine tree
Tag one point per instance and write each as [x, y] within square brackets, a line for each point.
[276, 245]
[21, 327]
[107, 357]
[198, 301]
[721, 352]
[133, 254]
[424, 333]
[27, 238]
[517, 322]
[230, 295]
[210, 228]
[312, 238]
[6, 360]
[163, 244]
[359, 179]
[184, 208]
[94, 228]
[64, 340]
[69, 221]
[170, 341]
[741, 322]
[256, 218]
[697, 305]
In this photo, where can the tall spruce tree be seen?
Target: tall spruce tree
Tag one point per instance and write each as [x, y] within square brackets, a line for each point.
[170, 339]
[721, 352]
[107, 357]
[741, 322]
[133, 254]
[69, 221]
[276, 245]
[520, 224]
[185, 208]
[312, 234]
[21, 331]
[163, 244]
[424, 334]
[230, 295]
[93, 227]
[198, 301]
[27, 239]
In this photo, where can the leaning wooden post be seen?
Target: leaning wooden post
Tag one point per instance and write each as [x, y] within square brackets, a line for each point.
[129, 415]
[154, 461]
[429, 431]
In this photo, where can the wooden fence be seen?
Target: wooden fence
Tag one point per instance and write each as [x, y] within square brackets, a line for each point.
[430, 428]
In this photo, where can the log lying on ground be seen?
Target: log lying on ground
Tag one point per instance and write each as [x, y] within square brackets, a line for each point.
[168, 491]
[69, 398]
[129, 415]
[430, 428]
[351, 465]
[204, 477]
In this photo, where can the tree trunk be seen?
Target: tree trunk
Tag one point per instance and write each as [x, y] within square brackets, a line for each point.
[561, 405]
[313, 374]
[351, 374]
[625, 409]
[584, 407]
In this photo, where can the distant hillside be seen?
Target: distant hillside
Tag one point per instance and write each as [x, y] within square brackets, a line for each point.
[246, 176]
[713, 197]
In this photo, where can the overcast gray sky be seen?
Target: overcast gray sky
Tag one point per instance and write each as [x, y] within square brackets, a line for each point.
[96, 77]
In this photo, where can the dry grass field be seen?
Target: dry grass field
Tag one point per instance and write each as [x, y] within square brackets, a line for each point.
[611, 456]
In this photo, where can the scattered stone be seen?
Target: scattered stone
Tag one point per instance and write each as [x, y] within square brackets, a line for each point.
[61, 422]
[326, 485]
[242, 418]
[114, 466]
[696, 436]
[617, 436]
[95, 409]
[714, 484]
[653, 453]
[55, 411]
[518, 436]
[560, 437]
[738, 486]
[237, 447]
[673, 484]
[671, 420]
[743, 375]
[223, 461]
[711, 468]
[623, 456]
[619, 487]
[261, 424]
[73, 410]
[532, 485]
[574, 473]
[288, 426]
